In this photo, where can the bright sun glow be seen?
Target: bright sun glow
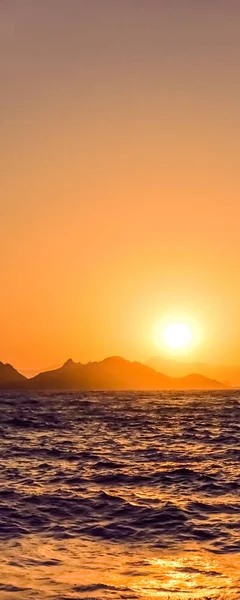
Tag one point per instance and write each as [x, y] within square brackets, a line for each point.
[177, 335]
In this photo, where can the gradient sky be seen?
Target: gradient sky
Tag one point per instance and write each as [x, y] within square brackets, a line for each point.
[120, 188]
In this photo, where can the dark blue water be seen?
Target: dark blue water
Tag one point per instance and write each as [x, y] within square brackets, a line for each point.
[124, 495]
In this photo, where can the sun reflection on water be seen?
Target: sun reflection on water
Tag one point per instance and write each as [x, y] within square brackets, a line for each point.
[187, 576]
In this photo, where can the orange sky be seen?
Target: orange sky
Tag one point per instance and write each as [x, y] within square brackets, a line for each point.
[119, 177]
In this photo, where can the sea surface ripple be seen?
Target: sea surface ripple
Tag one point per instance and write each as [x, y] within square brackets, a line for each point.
[120, 495]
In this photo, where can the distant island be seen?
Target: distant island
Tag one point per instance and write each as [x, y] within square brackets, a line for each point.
[113, 373]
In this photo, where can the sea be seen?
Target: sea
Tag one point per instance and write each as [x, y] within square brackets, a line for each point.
[127, 495]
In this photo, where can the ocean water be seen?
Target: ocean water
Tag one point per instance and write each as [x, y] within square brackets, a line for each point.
[120, 496]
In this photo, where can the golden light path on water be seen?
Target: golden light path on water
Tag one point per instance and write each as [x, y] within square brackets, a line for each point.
[73, 567]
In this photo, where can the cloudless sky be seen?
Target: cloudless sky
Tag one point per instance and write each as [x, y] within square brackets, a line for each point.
[119, 187]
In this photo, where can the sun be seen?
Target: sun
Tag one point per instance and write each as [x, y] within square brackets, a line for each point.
[177, 335]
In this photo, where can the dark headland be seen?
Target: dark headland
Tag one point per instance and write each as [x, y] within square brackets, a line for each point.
[113, 373]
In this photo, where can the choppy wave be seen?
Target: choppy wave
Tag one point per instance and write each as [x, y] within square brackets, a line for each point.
[125, 474]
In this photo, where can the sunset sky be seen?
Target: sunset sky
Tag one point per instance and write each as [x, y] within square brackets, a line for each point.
[120, 187]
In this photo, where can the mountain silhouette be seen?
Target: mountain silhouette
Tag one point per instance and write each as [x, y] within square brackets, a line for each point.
[116, 373]
[9, 377]
[113, 373]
